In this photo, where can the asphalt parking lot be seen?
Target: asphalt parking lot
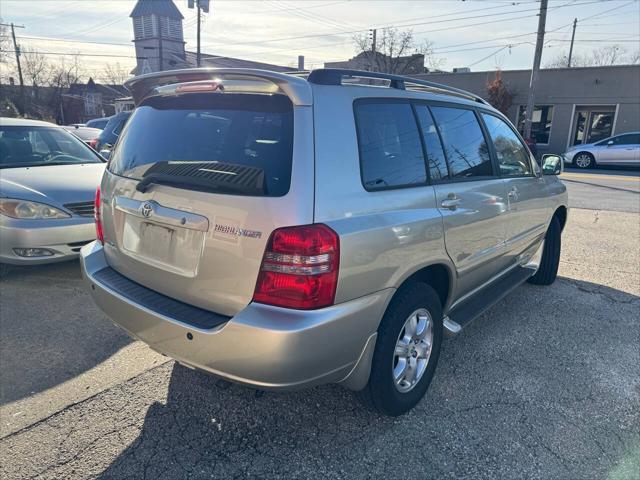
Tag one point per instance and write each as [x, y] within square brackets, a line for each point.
[546, 384]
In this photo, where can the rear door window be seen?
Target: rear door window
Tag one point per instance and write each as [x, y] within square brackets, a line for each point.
[628, 139]
[390, 147]
[234, 143]
[464, 143]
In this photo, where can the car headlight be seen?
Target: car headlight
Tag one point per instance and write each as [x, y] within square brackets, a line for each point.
[29, 210]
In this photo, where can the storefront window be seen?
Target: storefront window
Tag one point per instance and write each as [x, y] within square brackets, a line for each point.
[540, 122]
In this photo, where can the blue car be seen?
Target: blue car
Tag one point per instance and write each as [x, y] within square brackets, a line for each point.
[111, 132]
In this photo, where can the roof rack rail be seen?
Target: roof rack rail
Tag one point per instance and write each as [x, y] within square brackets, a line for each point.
[334, 76]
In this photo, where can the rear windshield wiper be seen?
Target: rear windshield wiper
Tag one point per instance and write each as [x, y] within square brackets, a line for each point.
[199, 184]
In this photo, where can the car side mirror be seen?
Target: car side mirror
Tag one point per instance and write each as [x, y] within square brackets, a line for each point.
[609, 143]
[552, 164]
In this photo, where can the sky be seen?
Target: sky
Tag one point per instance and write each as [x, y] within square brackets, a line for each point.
[479, 34]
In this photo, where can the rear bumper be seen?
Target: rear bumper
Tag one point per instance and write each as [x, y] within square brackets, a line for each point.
[62, 237]
[263, 346]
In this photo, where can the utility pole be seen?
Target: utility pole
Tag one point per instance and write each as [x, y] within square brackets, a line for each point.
[542, 20]
[160, 55]
[373, 40]
[202, 6]
[16, 49]
[573, 36]
[198, 50]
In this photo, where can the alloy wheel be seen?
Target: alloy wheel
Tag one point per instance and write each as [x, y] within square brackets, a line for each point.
[412, 351]
[583, 160]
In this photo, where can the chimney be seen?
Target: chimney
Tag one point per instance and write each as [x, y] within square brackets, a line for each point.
[300, 62]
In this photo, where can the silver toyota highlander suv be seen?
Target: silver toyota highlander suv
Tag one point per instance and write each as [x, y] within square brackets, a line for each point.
[284, 231]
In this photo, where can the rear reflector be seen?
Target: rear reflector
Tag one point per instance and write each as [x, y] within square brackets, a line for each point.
[299, 268]
[97, 213]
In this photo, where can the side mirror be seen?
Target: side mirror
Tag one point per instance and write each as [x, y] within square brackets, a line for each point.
[609, 143]
[105, 151]
[552, 164]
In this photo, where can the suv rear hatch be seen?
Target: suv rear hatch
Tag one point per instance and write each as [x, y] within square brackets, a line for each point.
[199, 179]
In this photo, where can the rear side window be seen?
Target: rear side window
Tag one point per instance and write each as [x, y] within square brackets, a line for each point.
[435, 154]
[233, 143]
[512, 156]
[390, 147]
[629, 139]
[464, 143]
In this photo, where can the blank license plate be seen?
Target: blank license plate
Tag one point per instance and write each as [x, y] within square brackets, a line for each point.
[172, 249]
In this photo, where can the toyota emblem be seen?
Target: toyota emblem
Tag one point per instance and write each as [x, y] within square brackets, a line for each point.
[146, 209]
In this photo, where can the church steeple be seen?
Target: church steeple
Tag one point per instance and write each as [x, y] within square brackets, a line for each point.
[157, 28]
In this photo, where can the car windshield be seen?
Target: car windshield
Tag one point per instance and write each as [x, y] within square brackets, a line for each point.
[26, 146]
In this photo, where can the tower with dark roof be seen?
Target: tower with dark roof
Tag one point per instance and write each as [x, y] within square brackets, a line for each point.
[157, 29]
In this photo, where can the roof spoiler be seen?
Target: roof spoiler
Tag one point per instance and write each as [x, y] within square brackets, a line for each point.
[297, 89]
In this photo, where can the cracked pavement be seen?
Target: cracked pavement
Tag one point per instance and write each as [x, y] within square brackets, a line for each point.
[546, 384]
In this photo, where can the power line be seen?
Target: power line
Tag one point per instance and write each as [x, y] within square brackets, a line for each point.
[76, 54]
[488, 56]
[65, 40]
[398, 25]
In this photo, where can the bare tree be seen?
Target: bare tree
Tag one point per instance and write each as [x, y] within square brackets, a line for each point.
[115, 74]
[36, 69]
[48, 79]
[599, 57]
[6, 46]
[396, 52]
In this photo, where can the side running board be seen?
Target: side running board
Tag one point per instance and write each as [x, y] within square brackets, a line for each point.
[463, 314]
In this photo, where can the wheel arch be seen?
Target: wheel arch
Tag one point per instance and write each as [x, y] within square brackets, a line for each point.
[580, 152]
[439, 276]
[561, 215]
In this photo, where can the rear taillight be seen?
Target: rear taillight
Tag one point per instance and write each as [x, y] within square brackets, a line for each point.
[299, 268]
[97, 214]
[94, 143]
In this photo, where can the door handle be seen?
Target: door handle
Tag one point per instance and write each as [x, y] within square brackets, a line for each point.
[451, 202]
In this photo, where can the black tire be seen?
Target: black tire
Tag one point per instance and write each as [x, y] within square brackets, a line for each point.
[548, 270]
[589, 158]
[381, 394]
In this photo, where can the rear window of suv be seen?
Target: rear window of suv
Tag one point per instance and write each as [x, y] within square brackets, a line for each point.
[232, 143]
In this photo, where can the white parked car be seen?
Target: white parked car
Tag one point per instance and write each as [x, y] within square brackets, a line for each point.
[619, 150]
[48, 179]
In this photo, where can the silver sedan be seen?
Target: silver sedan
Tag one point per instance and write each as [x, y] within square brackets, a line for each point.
[619, 150]
[48, 179]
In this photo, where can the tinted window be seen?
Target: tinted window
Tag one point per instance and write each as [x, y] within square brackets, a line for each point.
[629, 139]
[513, 158]
[40, 146]
[235, 143]
[464, 143]
[390, 148]
[435, 154]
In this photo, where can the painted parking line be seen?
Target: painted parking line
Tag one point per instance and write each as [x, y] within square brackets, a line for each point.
[604, 178]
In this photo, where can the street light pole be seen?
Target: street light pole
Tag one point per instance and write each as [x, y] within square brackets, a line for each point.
[542, 20]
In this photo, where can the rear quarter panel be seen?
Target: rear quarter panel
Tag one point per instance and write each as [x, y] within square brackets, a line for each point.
[385, 236]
